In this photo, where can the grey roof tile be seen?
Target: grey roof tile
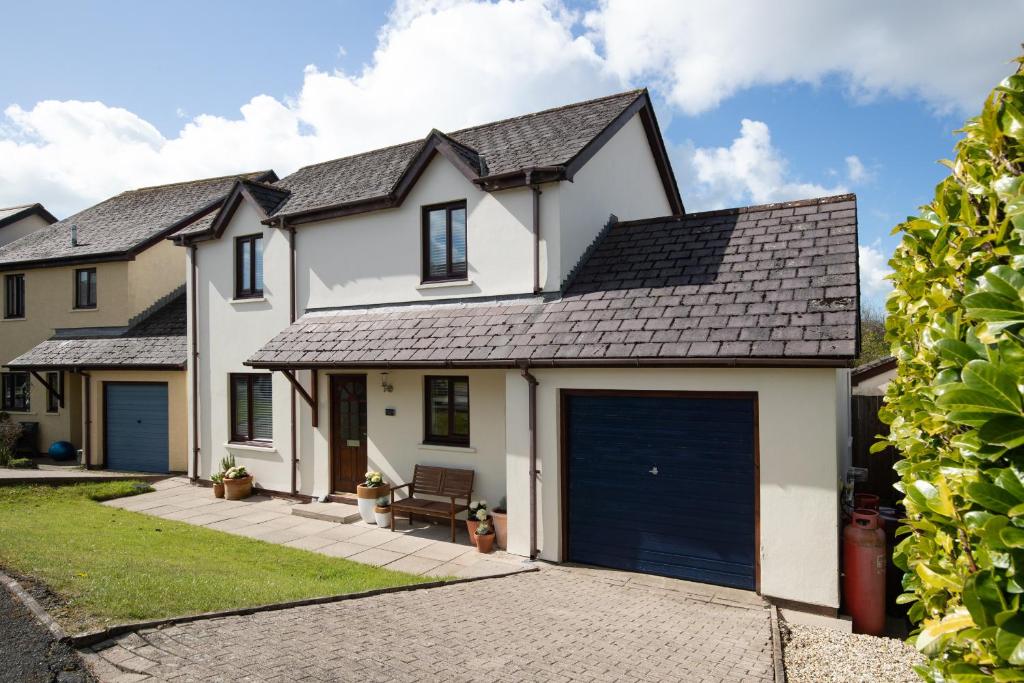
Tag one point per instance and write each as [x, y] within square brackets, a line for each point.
[635, 311]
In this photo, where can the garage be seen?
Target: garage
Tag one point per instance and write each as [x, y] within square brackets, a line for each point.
[135, 426]
[662, 483]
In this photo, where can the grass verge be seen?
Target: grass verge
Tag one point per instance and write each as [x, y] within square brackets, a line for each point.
[108, 565]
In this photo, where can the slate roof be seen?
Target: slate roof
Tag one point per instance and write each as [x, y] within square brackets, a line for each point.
[758, 284]
[547, 138]
[873, 368]
[119, 225]
[157, 340]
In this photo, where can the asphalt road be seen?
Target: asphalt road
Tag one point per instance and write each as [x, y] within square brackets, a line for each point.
[28, 652]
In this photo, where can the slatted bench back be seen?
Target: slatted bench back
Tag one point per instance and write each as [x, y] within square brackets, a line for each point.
[441, 481]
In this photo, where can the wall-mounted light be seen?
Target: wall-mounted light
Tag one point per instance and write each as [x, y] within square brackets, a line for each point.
[385, 384]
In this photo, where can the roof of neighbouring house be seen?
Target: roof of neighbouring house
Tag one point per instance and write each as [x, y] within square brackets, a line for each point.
[13, 214]
[549, 145]
[756, 285]
[157, 339]
[123, 225]
[872, 369]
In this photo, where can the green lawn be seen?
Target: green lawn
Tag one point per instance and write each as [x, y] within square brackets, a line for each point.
[111, 565]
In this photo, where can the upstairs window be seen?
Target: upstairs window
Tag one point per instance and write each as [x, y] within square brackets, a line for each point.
[249, 267]
[15, 389]
[444, 242]
[14, 296]
[447, 411]
[252, 408]
[85, 288]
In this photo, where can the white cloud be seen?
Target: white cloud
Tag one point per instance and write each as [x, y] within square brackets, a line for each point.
[751, 170]
[874, 268]
[452, 63]
[856, 171]
[947, 52]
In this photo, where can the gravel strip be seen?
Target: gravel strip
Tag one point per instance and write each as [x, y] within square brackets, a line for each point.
[824, 655]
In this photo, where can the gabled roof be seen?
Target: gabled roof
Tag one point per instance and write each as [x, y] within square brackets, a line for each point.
[120, 227]
[874, 368]
[542, 147]
[13, 214]
[264, 196]
[156, 341]
[761, 285]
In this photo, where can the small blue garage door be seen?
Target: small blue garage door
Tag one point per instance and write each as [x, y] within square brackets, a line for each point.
[135, 428]
[663, 485]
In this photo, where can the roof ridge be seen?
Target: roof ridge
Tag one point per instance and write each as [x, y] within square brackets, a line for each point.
[238, 176]
[563, 107]
[19, 206]
[827, 199]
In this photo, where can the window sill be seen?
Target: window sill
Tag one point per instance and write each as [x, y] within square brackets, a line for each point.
[14, 320]
[84, 310]
[443, 283]
[250, 446]
[446, 448]
[248, 300]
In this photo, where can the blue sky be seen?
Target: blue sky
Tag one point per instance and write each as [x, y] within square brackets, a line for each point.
[103, 96]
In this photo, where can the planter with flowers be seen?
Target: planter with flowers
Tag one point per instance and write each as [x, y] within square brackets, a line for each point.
[368, 493]
[218, 484]
[237, 483]
[484, 535]
[500, 516]
[478, 513]
[382, 513]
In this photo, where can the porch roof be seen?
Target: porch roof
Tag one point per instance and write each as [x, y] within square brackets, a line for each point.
[761, 285]
[154, 341]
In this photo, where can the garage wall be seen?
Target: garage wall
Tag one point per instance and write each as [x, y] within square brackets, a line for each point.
[177, 411]
[799, 463]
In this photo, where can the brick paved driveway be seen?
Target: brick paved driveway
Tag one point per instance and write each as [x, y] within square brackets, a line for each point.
[559, 624]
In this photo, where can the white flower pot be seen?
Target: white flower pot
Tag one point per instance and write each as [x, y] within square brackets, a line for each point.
[366, 506]
[383, 519]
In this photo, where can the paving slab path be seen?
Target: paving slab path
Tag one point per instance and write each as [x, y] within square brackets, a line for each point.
[558, 624]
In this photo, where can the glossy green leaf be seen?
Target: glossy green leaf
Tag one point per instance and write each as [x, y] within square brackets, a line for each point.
[1005, 430]
[991, 497]
[992, 307]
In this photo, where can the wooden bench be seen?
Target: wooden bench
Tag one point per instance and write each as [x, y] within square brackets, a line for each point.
[445, 482]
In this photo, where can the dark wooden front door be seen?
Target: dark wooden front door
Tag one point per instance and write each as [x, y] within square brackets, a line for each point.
[348, 431]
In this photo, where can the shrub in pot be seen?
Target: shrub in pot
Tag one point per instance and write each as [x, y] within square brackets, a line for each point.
[478, 513]
[10, 432]
[484, 536]
[218, 484]
[368, 492]
[500, 517]
[237, 483]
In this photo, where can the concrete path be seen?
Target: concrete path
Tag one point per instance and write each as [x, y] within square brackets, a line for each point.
[559, 624]
[421, 549]
[69, 475]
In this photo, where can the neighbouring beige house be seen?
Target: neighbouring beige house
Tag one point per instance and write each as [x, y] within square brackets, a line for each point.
[872, 379]
[650, 389]
[18, 221]
[92, 340]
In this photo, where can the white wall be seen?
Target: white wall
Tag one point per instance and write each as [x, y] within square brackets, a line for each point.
[875, 386]
[21, 228]
[395, 443]
[376, 257]
[622, 178]
[229, 333]
[799, 486]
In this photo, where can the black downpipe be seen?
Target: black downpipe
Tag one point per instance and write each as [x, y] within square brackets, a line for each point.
[532, 381]
[291, 319]
[536, 238]
[195, 363]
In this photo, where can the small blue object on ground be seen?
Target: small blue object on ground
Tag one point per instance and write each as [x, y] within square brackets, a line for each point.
[62, 450]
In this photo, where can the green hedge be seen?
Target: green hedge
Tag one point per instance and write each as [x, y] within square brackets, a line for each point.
[955, 322]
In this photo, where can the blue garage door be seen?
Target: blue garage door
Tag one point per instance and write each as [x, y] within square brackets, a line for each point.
[135, 428]
[663, 485]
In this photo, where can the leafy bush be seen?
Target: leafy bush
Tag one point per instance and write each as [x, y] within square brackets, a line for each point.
[22, 464]
[10, 432]
[955, 324]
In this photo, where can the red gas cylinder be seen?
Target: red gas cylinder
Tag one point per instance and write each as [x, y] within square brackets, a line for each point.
[864, 563]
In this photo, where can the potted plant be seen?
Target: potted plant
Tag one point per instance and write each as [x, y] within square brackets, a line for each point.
[484, 536]
[218, 484]
[478, 512]
[368, 492]
[237, 483]
[500, 517]
[382, 513]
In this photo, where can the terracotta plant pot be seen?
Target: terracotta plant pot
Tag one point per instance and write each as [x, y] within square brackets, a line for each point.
[368, 496]
[237, 489]
[382, 515]
[218, 490]
[500, 529]
[485, 543]
[471, 524]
